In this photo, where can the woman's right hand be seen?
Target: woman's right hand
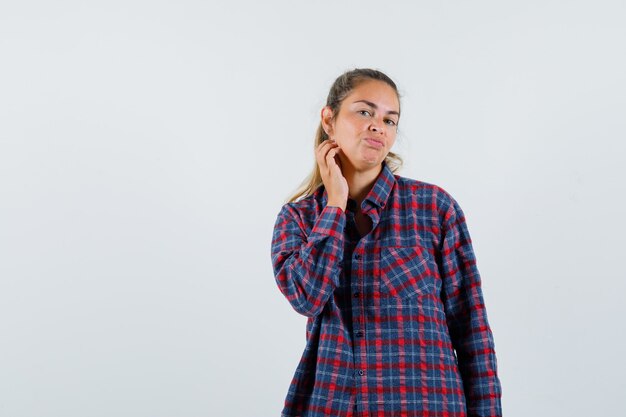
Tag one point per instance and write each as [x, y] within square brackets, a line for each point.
[332, 176]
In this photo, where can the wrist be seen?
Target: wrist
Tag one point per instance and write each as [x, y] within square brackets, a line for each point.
[335, 204]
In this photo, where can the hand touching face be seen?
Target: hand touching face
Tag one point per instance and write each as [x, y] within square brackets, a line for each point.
[335, 183]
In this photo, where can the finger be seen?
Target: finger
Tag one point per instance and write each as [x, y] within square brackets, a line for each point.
[337, 150]
[330, 158]
[326, 143]
[322, 156]
[324, 148]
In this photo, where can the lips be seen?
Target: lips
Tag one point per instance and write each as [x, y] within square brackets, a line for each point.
[376, 143]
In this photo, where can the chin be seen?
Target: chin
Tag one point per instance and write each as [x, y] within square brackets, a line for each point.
[366, 163]
[363, 163]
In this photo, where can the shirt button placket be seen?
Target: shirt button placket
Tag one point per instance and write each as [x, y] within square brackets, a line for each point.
[358, 333]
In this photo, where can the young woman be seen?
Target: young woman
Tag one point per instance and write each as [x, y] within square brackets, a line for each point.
[383, 267]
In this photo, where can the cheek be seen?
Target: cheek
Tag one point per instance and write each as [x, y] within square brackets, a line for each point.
[349, 135]
[355, 123]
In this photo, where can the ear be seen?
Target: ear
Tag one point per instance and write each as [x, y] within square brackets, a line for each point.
[326, 117]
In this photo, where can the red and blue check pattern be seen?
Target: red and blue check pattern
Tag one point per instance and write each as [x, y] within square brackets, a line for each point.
[397, 324]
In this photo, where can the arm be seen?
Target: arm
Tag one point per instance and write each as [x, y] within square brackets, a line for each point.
[307, 268]
[467, 317]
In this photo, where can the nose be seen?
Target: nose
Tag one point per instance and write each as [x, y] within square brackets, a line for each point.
[377, 125]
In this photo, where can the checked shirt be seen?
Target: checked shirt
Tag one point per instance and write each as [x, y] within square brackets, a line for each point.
[397, 324]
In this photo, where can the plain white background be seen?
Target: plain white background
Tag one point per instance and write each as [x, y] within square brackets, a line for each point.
[146, 148]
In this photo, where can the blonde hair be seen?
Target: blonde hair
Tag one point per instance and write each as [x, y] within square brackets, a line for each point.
[341, 88]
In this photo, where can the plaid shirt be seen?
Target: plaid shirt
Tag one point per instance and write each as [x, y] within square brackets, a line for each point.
[397, 325]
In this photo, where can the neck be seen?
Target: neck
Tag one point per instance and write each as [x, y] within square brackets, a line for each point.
[360, 182]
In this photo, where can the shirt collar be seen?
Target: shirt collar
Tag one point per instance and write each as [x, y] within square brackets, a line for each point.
[380, 191]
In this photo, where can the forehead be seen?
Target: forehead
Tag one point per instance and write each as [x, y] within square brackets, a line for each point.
[377, 92]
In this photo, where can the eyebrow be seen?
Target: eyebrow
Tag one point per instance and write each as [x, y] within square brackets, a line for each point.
[369, 103]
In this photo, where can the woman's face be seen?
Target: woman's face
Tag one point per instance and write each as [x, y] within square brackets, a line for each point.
[366, 126]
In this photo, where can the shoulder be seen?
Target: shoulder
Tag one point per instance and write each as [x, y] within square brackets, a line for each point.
[428, 192]
[303, 208]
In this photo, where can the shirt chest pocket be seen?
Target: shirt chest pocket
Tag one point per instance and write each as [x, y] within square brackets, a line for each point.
[405, 272]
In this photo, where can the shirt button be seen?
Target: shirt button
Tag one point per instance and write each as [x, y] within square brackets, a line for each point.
[359, 333]
[357, 256]
[356, 294]
[361, 372]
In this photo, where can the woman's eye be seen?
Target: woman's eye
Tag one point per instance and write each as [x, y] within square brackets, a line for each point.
[364, 111]
[392, 122]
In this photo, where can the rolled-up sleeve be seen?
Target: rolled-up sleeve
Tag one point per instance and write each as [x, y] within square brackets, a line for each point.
[466, 317]
[307, 268]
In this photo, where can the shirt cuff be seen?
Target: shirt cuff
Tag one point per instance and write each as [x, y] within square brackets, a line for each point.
[331, 222]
